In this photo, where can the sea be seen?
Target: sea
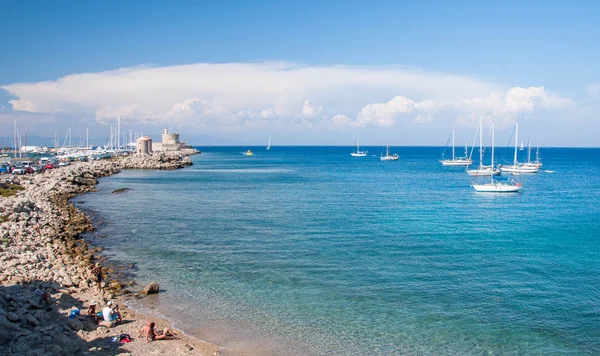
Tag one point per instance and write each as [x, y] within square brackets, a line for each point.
[309, 251]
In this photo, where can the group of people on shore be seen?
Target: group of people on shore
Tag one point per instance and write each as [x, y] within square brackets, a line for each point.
[110, 315]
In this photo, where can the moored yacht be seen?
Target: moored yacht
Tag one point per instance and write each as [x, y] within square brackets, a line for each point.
[456, 161]
[496, 185]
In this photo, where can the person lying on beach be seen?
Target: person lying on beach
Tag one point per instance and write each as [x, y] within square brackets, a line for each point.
[97, 271]
[152, 334]
[110, 314]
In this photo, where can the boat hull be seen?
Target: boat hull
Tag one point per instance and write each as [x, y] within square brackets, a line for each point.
[389, 158]
[497, 188]
[358, 154]
[520, 169]
[483, 172]
[456, 162]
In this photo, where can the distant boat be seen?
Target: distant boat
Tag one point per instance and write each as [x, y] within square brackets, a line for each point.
[456, 161]
[496, 185]
[522, 148]
[358, 152]
[549, 171]
[516, 166]
[388, 156]
[269, 145]
[248, 153]
[482, 170]
[537, 163]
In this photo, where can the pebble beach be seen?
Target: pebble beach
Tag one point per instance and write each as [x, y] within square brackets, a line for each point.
[42, 251]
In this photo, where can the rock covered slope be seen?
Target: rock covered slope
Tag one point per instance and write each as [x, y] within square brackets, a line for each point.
[41, 251]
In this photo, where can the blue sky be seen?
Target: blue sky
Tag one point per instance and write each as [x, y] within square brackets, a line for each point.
[504, 45]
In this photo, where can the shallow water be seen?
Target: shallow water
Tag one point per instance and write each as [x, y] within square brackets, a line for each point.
[309, 250]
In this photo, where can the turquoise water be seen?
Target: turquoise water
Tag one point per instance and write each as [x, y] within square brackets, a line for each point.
[307, 250]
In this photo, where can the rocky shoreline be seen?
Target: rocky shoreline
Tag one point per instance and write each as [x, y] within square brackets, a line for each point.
[42, 250]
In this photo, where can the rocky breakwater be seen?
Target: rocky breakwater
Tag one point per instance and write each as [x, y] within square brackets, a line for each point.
[41, 252]
[159, 160]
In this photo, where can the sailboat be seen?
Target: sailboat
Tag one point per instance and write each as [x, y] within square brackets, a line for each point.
[482, 170]
[522, 148]
[358, 152]
[269, 145]
[495, 185]
[537, 163]
[388, 156]
[456, 161]
[516, 167]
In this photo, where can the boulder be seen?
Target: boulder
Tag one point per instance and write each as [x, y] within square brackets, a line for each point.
[151, 288]
[75, 324]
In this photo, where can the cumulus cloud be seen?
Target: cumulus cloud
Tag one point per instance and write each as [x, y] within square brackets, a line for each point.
[237, 95]
[505, 107]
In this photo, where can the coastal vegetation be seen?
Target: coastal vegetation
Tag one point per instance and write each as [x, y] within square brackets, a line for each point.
[10, 190]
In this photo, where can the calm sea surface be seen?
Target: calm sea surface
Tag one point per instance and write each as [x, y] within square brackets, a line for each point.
[307, 250]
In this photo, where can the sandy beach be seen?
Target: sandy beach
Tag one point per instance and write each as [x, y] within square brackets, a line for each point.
[42, 252]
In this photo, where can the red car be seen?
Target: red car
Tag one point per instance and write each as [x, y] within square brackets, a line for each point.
[29, 170]
[49, 165]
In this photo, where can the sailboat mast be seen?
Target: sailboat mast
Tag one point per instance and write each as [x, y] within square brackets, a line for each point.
[15, 139]
[480, 143]
[529, 150]
[492, 175]
[358, 143]
[516, 141]
[453, 145]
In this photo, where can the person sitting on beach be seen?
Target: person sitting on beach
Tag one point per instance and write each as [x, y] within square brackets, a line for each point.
[152, 334]
[97, 271]
[41, 295]
[110, 314]
[92, 312]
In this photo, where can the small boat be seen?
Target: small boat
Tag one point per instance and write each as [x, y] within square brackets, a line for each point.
[522, 148]
[456, 161]
[269, 145]
[388, 156]
[496, 185]
[358, 152]
[482, 171]
[248, 153]
[517, 167]
[549, 171]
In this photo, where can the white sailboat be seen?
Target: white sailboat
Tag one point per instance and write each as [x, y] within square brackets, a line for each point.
[358, 152]
[522, 148]
[388, 156]
[496, 186]
[516, 167]
[456, 161]
[269, 145]
[482, 171]
[537, 163]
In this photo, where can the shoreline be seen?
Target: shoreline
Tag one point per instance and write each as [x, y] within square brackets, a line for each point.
[42, 246]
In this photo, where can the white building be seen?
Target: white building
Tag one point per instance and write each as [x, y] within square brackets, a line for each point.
[170, 142]
[143, 145]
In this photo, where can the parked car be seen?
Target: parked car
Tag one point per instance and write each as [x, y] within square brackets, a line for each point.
[49, 166]
[29, 170]
[37, 168]
[18, 170]
[4, 169]
[64, 163]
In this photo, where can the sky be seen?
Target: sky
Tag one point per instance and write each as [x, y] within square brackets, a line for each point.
[302, 72]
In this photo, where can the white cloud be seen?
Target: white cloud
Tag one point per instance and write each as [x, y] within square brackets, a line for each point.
[593, 90]
[505, 107]
[309, 111]
[273, 90]
[235, 96]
